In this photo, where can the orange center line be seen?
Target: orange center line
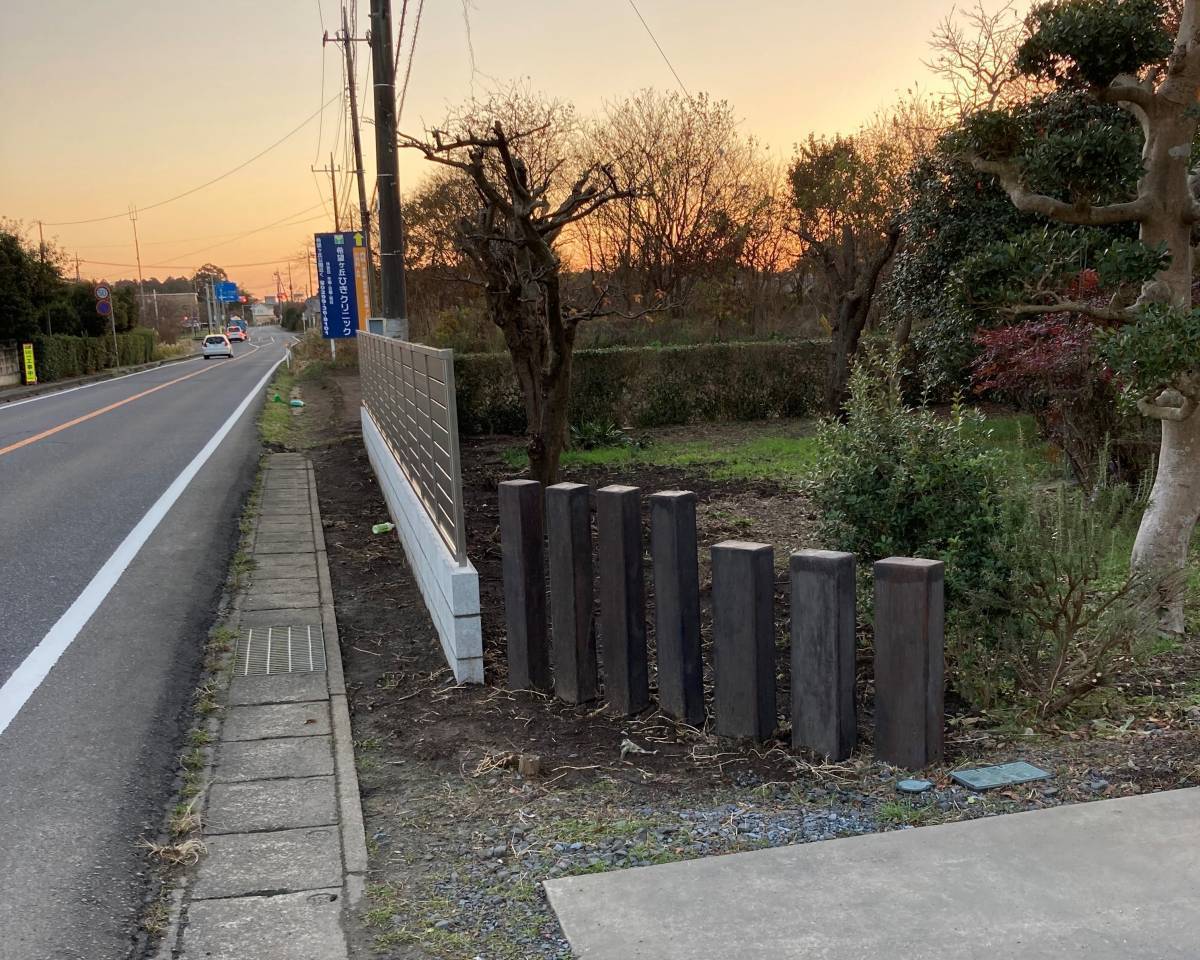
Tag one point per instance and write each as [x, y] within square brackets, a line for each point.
[112, 406]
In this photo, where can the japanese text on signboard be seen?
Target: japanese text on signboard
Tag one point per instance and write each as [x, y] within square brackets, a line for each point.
[340, 283]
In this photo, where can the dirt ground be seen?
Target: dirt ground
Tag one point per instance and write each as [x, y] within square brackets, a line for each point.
[460, 840]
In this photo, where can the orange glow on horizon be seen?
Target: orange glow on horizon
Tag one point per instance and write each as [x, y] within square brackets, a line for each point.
[133, 102]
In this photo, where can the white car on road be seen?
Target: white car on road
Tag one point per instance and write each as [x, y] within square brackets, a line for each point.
[216, 345]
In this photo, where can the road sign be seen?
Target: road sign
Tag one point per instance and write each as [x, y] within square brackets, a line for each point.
[104, 307]
[341, 272]
[101, 291]
[30, 368]
[226, 291]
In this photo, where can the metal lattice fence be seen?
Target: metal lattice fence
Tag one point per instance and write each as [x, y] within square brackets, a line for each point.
[409, 390]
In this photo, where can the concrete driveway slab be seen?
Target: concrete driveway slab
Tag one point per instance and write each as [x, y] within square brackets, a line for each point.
[1110, 880]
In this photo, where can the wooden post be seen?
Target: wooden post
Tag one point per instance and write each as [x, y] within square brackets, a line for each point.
[524, 569]
[823, 637]
[622, 598]
[743, 599]
[909, 661]
[677, 605]
[573, 629]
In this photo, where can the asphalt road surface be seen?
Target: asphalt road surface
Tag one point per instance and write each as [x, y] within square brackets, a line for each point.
[114, 542]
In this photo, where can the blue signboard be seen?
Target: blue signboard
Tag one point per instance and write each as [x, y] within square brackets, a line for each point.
[225, 291]
[341, 274]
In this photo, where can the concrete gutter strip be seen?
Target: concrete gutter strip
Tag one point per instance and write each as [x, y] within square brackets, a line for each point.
[286, 855]
[1109, 880]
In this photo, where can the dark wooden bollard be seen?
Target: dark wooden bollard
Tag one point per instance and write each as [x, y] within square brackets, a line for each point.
[743, 594]
[622, 598]
[524, 565]
[823, 627]
[677, 605]
[573, 628]
[909, 661]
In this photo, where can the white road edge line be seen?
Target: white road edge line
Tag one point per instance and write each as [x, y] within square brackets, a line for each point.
[41, 659]
[98, 383]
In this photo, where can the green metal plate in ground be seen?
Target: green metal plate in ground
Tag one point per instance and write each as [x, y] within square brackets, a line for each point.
[1002, 775]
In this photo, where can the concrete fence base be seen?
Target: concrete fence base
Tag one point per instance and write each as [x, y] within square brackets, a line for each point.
[450, 589]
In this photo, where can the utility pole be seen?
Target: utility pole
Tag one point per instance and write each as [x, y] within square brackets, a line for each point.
[138, 254]
[333, 172]
[391, 228]
[77, 280]
[291, 290]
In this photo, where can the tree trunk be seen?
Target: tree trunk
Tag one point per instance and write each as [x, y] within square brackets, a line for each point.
[1165, 533]
[841, 352]
[1166, 530]
[547, 443]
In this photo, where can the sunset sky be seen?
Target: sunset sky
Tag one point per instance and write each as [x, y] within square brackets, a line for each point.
[133, 102]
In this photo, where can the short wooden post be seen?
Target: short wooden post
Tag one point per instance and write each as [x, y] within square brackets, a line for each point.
[523, 561]
[909, 661]
[677, 605]
[572, 624]
[622, 598]
[743, 599]
[823, 638]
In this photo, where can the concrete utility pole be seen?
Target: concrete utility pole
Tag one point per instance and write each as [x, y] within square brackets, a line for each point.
[138, 254]
[391, 227]
[333, 172]
[364, 211]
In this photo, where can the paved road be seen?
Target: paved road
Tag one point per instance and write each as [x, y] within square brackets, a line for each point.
[89, 741]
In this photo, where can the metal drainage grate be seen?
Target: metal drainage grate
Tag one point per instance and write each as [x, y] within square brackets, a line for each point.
[263, 651]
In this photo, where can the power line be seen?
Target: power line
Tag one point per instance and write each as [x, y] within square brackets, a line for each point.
[321, 123]
[412, 49]
[187, 193]
[187, 266]
[280, 222]
[661, 51]
[400, 37]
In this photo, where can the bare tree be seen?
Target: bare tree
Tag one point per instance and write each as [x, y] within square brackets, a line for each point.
[699, 195]
[511, 239]
[974, 52]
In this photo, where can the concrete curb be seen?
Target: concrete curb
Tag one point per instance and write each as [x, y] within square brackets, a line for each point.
[350, 819]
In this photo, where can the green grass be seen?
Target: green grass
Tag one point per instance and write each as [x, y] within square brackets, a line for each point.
[589, 831]
[1015, 438]
[895, 813]
[276, 425]
[768, 453]
[770, 456]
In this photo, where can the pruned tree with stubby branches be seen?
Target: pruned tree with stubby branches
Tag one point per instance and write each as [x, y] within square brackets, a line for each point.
[511, 240]
[1143, 57]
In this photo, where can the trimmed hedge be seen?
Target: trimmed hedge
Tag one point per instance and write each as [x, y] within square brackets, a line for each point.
[58, 356]
[655, 386]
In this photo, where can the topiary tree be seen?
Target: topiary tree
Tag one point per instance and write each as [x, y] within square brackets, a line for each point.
[1100, 53]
